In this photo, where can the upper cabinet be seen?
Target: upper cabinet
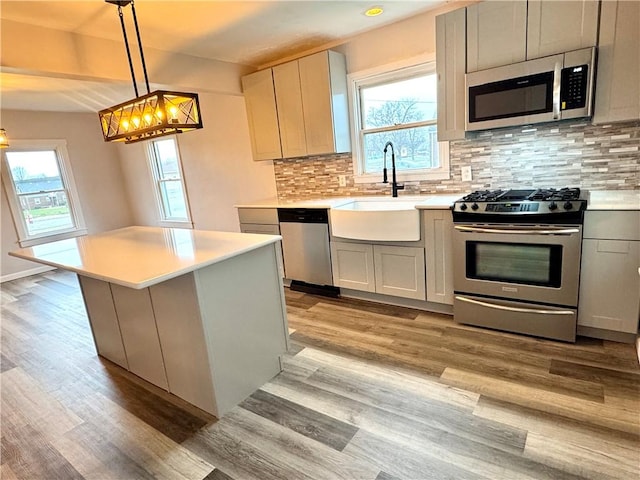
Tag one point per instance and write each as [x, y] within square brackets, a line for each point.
[260, 101]
[496, 34]
[450, 70]
[309, 96]
[618, 85]
[500, 33]
[560, 26]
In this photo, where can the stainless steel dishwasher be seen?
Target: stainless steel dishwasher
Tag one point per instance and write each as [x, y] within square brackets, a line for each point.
[305, 245]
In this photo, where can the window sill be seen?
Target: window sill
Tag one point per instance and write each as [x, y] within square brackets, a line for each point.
[176, 224]
[403, 177]
[33, 241]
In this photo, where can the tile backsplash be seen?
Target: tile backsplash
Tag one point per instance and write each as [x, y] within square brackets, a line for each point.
[603, 157]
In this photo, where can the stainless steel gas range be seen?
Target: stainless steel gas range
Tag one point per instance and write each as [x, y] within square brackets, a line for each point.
[517, 260]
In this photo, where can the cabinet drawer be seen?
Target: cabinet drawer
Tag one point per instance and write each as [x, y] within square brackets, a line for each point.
[612, 225]
[267, 216]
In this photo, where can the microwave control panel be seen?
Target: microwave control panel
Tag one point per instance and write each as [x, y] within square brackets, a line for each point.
[573, 87]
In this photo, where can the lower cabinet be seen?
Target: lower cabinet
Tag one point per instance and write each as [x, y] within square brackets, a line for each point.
[438, 227]
[385, 269]
[609, 298]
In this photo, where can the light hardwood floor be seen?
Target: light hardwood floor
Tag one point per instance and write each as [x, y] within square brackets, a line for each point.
[368, 392]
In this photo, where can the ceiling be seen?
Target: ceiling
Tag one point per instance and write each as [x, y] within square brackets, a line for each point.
[252, 33]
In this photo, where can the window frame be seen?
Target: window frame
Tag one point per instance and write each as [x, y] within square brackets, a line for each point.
[379, 75]
[154, 170]
[66, 175]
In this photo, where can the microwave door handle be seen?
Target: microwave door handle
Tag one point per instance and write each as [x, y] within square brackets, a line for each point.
[518, 231]
[557, 77]
[514, 309]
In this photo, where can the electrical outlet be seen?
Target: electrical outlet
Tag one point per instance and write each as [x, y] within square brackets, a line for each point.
[342, 180]
[466, 173]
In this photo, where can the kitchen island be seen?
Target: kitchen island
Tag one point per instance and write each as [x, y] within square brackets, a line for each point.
[200, 314]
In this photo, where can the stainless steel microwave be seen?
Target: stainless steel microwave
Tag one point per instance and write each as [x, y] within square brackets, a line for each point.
[557, 87]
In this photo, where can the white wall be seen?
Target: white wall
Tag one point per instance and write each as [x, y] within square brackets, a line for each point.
[96, 169]
[218, 168]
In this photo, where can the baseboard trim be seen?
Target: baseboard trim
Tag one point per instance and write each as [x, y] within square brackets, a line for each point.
[25, 273]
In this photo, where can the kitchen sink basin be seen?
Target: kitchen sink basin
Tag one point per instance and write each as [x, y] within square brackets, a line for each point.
[381, 220]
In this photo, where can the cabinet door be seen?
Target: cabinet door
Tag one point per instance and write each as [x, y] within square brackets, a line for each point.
[286, 80]
[556, 26]
[399, 271]
[496, 34]
[610, 285]
[260, 101]
[618, 85]
[103, 319]
[139, 334]
[315, 86]
[438, 226]
[451, 58]
[352, 265]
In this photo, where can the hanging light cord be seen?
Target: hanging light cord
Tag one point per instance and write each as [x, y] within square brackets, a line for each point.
[126, 44]
[144, 65]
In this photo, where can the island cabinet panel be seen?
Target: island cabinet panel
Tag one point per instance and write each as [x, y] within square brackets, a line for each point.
[618, 85]
[438, 227]
[103, 320]
[244, 321]
[399, 271]
[139, 333]
[184, 346]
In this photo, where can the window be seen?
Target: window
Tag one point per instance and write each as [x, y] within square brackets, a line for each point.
[170, 191]
[41, 191]
[398, 105]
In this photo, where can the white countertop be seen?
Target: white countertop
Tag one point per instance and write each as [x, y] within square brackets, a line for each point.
[138, 257]
[598, 200]
[429, 201]
[614, 200]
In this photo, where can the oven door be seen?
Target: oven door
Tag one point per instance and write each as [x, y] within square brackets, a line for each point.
[534, 263]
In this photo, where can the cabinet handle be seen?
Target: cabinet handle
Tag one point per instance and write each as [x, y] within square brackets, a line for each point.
[515, 309]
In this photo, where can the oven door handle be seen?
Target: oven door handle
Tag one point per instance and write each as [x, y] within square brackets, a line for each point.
[526, 231]
[515, 309]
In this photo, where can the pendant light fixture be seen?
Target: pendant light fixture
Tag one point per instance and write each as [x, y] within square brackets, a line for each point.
[152, 115]
[4, 141]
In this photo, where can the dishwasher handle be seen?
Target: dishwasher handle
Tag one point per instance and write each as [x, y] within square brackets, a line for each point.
[303, 215]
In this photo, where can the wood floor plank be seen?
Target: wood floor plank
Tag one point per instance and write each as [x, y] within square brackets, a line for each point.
[436, 415]
[153, 451]
[571, 457]
[25, 403]
[507, 367]
[5, 363]
[310, 458]
[395, 380]
[583, 410]
[407, 463]
[95, 457]
[218, 474]
[311, 424]
[29, 455]
[405, 433]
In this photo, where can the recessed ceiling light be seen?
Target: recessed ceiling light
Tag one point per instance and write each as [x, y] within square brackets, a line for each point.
[374, 11]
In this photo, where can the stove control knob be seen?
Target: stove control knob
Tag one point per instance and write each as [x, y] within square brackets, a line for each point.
[463, 207]
[553, 206]
[568, 205]
[474, 206]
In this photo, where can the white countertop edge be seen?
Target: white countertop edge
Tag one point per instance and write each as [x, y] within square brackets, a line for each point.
[269, 239]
